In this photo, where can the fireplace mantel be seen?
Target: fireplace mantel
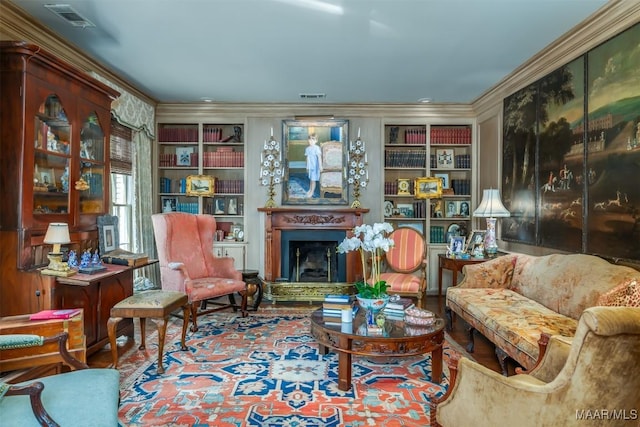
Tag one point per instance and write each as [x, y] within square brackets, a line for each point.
[295, 218]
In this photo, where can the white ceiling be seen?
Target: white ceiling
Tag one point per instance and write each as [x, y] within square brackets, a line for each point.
[354, 51]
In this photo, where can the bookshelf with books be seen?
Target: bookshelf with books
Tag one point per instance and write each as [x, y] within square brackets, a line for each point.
[438, 147]
[204, 148]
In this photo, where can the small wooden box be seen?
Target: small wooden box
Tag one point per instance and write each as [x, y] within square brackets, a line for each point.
[47, 354]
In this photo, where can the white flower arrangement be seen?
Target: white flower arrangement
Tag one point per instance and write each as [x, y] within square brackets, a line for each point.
[372, 239]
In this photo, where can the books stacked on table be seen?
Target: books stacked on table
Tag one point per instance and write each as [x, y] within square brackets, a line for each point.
[394, 310]
[334, 304]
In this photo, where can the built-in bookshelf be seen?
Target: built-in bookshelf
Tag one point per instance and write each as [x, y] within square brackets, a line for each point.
[215, 150]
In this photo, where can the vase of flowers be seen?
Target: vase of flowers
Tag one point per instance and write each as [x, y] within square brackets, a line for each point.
[371, 241]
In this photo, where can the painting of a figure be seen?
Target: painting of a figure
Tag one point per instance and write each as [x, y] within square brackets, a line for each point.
[316, 157]
[613, 147]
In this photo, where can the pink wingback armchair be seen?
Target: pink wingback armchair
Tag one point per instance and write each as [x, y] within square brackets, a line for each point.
[187, 264]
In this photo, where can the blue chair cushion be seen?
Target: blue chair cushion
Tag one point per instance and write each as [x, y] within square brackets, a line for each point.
[83, 398]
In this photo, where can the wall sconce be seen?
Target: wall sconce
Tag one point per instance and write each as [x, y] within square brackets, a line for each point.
[57, 234]
[491, 207]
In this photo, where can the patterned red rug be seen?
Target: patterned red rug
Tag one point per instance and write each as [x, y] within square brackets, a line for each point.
[265, 370]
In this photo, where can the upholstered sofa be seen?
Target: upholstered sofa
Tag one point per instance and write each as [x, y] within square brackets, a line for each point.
[512, 299]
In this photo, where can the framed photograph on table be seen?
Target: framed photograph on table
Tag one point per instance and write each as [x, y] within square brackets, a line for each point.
[108, 234]
[457, 244]
[475, 243]
[444, 158]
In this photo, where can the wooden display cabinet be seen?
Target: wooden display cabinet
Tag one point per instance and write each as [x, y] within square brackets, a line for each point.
[54, 139]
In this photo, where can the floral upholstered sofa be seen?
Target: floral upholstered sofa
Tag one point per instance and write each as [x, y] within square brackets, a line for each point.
[512, 299]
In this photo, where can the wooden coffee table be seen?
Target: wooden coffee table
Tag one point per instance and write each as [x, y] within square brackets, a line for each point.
[399, 339]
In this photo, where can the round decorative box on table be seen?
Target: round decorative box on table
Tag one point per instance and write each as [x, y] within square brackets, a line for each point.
[372, 306]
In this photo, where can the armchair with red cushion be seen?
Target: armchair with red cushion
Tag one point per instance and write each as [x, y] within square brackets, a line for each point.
[187, 262]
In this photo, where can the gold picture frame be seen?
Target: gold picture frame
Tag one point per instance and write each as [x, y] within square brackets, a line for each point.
[201, 185]
[428, 188]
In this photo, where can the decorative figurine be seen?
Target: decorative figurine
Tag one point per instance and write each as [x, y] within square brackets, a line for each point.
[73, 259]
[85, 259]
[95, 259]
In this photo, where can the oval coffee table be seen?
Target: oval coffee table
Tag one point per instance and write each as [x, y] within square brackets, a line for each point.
[398, 339]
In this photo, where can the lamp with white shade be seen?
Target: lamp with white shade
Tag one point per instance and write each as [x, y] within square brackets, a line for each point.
[57, 235]
[491, 207]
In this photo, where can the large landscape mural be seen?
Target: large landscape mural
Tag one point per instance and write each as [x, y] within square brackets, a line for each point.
[573, 182]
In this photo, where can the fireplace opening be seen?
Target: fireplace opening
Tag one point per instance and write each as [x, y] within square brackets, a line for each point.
[306, 258]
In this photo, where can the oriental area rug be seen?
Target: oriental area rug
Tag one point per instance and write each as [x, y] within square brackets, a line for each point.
[266, 370]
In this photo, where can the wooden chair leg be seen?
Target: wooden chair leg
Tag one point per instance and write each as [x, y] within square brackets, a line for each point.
[185, 324]
[112, 323]
[162, 330]
[143, 333]
[471, 345]
[194, 316]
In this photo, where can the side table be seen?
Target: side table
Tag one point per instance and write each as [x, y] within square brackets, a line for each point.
[454, 265]
[254, 288]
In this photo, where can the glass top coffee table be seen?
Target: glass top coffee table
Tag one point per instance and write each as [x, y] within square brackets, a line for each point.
[396, 339]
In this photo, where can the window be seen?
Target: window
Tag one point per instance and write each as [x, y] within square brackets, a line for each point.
[122, 182]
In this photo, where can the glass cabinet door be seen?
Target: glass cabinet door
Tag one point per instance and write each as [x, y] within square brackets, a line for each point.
[51, 159]
[92, 167]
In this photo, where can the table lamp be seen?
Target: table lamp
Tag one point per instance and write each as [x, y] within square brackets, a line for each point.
[57, 234]
[491, 207]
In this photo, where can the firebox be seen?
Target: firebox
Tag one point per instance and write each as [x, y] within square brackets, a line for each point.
[311, 256]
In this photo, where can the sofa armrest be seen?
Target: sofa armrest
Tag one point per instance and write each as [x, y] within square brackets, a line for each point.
[495, 273]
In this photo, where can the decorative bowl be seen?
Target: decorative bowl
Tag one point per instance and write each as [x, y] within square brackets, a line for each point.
[417, 316]
[373, 304]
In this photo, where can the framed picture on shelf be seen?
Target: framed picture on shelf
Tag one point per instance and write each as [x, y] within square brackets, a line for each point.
[428, 188]
[463, 209]
[183, 156]
[200, 185]
[444, 158]
[406, 210]
[169, 204]
[218, 208]
[444, 177]
[47, 177]
[232, 206]
[451, 209]
[404, 187]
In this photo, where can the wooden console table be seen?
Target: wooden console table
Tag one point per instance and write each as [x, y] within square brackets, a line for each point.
[454, 265]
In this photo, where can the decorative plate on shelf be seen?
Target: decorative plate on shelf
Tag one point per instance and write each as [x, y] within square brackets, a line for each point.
[388, 208]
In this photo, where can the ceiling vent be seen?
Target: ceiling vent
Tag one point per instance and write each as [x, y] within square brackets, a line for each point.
[313, 95]
[70, 15]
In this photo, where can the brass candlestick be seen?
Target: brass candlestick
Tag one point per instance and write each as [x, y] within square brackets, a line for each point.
[358, 175]
[271, 170]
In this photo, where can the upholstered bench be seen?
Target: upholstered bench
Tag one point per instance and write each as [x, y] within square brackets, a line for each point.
[155, 304]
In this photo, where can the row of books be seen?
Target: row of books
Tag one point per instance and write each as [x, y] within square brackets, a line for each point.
[210, 159]
[437, 234]
[178, 134]
[461, 186]
[222, 186]
[187, 207]
[451, 135]
[394, 310]
[334, 304]
[405, 158]
[461, 161]
[415, 136]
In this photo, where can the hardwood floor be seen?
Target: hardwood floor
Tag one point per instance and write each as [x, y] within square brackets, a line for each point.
[484, 352]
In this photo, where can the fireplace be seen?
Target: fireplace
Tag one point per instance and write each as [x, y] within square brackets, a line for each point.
[312, 232]
[310, 256]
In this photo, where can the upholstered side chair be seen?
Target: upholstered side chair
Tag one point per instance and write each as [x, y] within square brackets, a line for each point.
[84, 396]
[187, 263]
[405, 264]
[574, 382]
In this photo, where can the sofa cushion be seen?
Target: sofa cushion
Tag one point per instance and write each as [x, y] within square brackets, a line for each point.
[510, 320]
[627, 295]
